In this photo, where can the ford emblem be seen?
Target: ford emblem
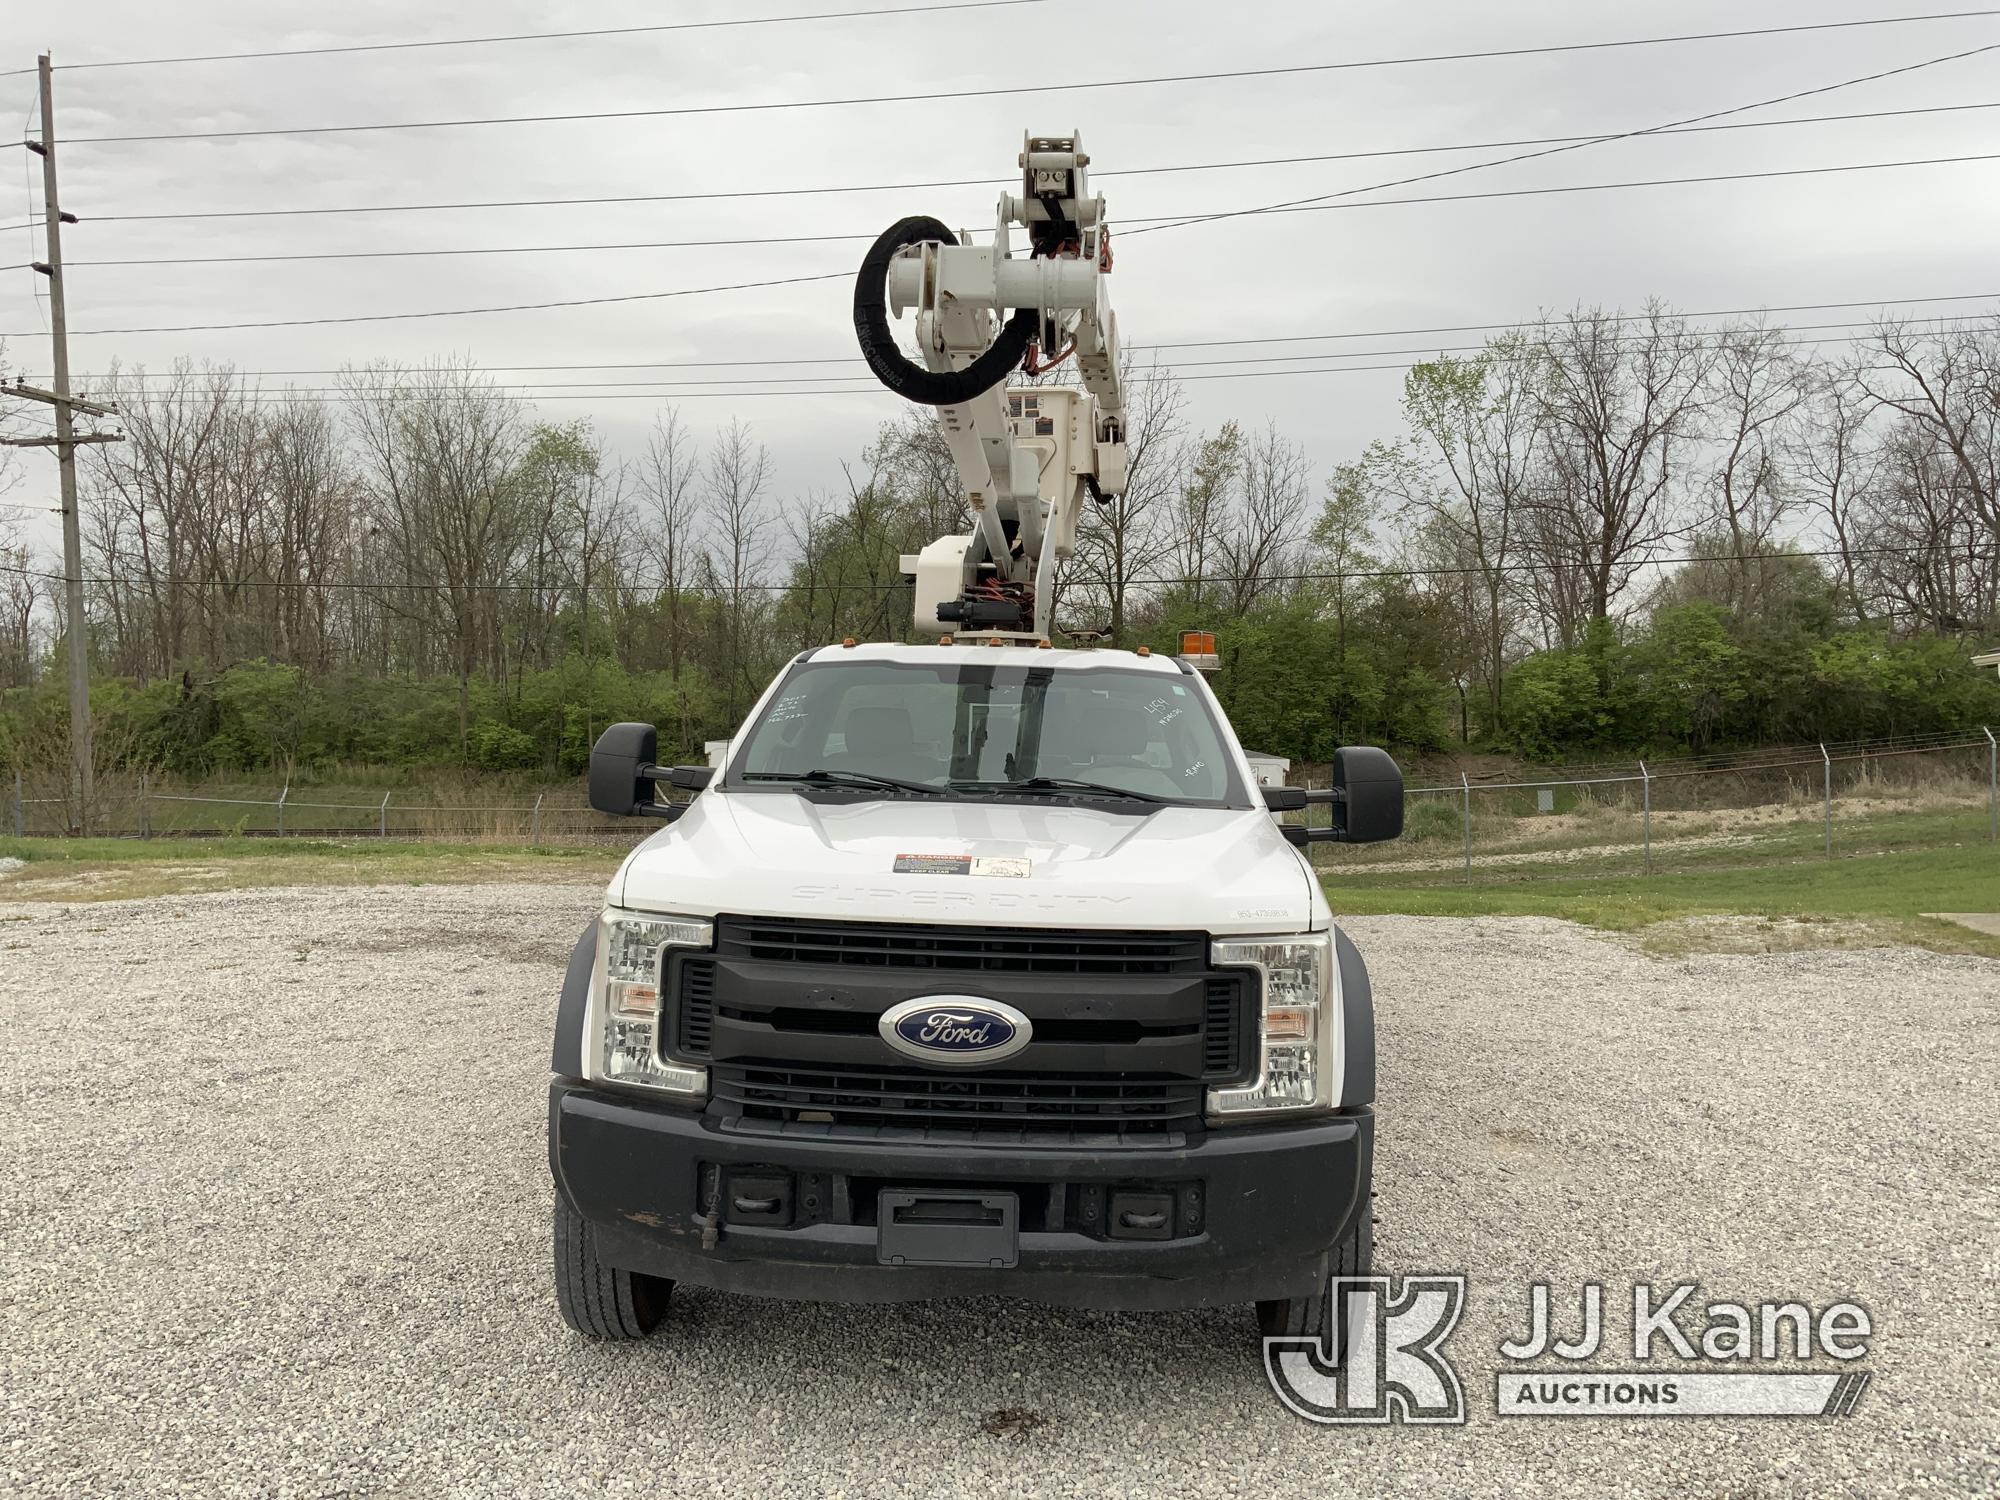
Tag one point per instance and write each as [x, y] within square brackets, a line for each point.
[955, 1030]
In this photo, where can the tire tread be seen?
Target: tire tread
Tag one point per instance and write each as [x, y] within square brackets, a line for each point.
[597, 1300]
[1301, 1317]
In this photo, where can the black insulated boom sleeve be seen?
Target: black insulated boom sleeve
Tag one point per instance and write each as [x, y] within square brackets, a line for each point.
[878, 343]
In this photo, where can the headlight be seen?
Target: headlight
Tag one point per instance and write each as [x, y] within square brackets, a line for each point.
[1299, 1048]
[626, 1002]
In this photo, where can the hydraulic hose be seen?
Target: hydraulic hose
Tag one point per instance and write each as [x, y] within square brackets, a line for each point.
[878, 343]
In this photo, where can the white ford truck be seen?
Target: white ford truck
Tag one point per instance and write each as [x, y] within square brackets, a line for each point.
[979, 966]
[970, 971]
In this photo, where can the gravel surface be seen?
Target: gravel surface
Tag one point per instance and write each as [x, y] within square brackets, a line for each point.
[274, 1221]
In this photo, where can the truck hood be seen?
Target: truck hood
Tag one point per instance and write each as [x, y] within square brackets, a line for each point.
[1039, 864]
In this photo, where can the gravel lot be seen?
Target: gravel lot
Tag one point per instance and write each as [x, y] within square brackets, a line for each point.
[274, 1219]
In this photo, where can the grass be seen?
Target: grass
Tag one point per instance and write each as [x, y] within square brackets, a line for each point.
[125, 869]
[345, 804]
[1762, 835]
[1857, 898]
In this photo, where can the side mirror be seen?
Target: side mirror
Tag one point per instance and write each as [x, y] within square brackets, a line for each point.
[1369, 787]
[622, 772]
[1366, 799]
[690, 778]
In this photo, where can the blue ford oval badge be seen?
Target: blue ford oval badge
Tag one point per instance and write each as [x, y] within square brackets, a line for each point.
[955, 1030]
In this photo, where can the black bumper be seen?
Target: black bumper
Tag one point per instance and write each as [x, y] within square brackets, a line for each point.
[1252, 1211]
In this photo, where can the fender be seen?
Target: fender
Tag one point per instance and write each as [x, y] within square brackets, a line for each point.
[1357, 1015]
[566, 1058]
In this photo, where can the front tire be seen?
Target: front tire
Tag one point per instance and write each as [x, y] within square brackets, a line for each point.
[1317, 1315]
[597, 1300]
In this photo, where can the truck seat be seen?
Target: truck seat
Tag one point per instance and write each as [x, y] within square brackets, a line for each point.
[880, 739]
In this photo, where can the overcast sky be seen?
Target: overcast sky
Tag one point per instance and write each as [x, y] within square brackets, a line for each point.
[1874, 237]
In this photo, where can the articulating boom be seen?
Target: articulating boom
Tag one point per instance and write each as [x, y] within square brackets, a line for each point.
[1027, 456]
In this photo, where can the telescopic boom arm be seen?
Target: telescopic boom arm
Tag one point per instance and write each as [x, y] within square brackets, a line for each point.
[1026, 456]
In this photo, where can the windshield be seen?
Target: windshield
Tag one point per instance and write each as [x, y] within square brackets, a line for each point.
[1003, 729]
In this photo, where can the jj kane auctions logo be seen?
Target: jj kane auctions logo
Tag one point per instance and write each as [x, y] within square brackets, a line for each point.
[1384, 1359]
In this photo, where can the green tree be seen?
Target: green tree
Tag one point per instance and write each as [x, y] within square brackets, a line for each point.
[1695, 672]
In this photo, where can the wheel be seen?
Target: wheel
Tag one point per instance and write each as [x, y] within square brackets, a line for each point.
[1304, 1317]
[600, 1301]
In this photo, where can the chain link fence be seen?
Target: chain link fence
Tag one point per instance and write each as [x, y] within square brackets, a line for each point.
[137, 806]
[1794, 802]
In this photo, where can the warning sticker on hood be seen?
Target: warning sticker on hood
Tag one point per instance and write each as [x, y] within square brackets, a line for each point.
[959, 864]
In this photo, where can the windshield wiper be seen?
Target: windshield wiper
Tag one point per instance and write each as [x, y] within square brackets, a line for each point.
[824, 777]
[1063, 784]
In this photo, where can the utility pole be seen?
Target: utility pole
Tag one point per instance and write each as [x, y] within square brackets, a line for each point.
[81, 777]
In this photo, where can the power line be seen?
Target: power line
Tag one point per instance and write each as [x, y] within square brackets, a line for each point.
[536, 388]
[1375, 333]
[459, 312]
[853, 361]
[548, 36]
[1296, 206]
[958, 182]
[1322, 200]
[1012, 90]
[726, 387]
[209, 260]
[1591, 187]
[1163, 220]
[1432, 350]
[1726, 312]
[667, 392]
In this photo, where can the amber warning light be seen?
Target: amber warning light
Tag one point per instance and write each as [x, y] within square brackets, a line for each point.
[1198, 650]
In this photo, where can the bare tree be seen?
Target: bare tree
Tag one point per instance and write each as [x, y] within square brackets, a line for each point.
[1199, 503]
[735, 479]
[15, 421]
[813, 611]
[1834, 463]
[1926, 552]
[1946, 383]
[1123, 538]
[877, 531]
[1257, 543]
[1757, 386]
[440, 453]
[1470, 487]
[911, 457]
[22, 591]
[669, 478]
[154, 508]
[311, 511]
[217, 524]
[575, 496]
[1619, 404]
